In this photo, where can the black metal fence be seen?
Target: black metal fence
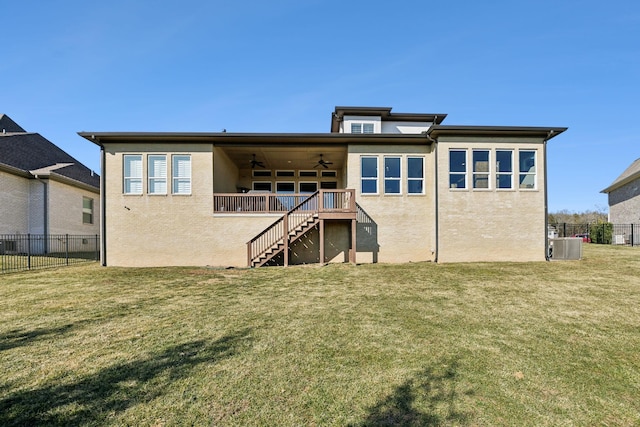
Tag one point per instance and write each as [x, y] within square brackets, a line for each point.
[603, 233]
[20, 252]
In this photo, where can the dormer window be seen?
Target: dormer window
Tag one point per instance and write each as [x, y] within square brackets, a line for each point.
[361, 127]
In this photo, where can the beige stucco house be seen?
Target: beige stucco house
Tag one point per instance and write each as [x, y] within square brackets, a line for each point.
[379, 187]
[43, 190]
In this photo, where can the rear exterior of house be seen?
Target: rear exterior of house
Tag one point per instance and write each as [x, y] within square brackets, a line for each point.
[624, 196]
[44, 190]
[380, 187]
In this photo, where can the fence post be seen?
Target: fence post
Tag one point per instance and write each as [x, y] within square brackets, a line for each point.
[564, 229]
[604, 240]
[28, 251]
[97, 249]
[631, 234]
[66, 249]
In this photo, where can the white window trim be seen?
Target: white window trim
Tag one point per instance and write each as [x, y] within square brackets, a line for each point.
[286, 182]
[126, 178]
[157, 178]
[498, 173]
[253, 185]
[488, 173]
[306, 171]
[466, 172]
[263, 173]
[176, 179]
[291, 173]
[398, 179]
[534, 174]
[376, 178]
[308, 182]
[87, 210]
[424, 189]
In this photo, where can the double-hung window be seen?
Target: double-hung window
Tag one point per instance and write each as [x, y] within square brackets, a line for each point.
[132, 174]
[527, 161]
[369, 175]
[392, 175]
[87, 210]
[457, 168]
[415, 175]
[157, 173]
[504, 169]
[181, 173]
[480, 168]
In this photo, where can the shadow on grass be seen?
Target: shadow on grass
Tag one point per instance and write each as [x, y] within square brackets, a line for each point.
[21, 337]
[95, 398]
[430, 398]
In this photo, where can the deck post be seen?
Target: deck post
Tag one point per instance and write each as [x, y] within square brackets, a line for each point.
[285, 237]
[352, 249]
[321, 238]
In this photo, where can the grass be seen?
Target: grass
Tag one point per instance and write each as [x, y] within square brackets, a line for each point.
[529, 344]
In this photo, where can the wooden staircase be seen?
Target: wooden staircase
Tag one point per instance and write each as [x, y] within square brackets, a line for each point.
[276, 239]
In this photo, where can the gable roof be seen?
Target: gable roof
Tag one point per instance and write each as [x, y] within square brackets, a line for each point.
[630, 174]
[32, 154]
[384, 113]
[9, 126]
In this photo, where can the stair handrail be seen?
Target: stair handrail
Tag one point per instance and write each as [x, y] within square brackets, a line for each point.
[273, 234]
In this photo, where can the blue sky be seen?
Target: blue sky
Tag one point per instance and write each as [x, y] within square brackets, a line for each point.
[283, 65]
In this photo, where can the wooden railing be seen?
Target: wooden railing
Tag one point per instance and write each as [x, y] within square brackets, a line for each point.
[256, 202]
[322, 201]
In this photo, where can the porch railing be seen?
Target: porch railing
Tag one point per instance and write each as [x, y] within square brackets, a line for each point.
[256, 202]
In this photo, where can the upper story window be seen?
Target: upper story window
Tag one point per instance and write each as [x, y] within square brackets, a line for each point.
[480, 168]
[361, 127]
[181, 173]
[369, 174]
[527, 177]
[457, 168]
[157, 173]
[132, 173]
[504, 169]
[415, 175]
[392, 175]
[87, 210]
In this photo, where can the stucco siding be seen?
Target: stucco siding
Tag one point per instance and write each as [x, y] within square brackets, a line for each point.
[14, 204]
[490, 224]
[624, 204]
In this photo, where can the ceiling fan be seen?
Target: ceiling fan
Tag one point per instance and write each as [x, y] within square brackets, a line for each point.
[255, 162]
[323, 163]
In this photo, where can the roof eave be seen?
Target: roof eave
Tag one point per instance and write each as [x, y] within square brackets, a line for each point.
[506, 131]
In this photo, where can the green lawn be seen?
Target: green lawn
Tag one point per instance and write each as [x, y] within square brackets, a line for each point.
[527, 344]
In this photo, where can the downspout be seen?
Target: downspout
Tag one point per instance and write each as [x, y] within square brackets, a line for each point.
[546, 196]
[103, 207]
[435, 155]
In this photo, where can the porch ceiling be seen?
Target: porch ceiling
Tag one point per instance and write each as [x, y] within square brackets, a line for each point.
[287, 157]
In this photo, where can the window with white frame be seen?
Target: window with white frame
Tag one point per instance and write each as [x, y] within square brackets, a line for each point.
[87, 210]
[132, 164]
[504, 169]
[415, 175]
[261, 186]
[285, 187]
[457, 168]
[369, 174]
[181, 173]
[527, 168]
[307, 187]
[361, 127]
[392, 175]
[480, 168]
[157, 174]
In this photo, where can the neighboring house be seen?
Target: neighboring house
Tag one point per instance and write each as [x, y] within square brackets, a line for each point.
[380, 187]
[624, 196]
[43, 190]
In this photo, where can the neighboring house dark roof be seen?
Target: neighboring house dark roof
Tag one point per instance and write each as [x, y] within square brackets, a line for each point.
[33, 154]
[630, 174]
[9, 126]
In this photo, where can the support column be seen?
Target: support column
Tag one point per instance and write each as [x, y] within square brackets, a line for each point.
[352, 249]
[321, 238]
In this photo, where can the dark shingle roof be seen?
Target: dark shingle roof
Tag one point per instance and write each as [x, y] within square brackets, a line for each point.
[31, 151]
[8, 125]
[629, 174]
